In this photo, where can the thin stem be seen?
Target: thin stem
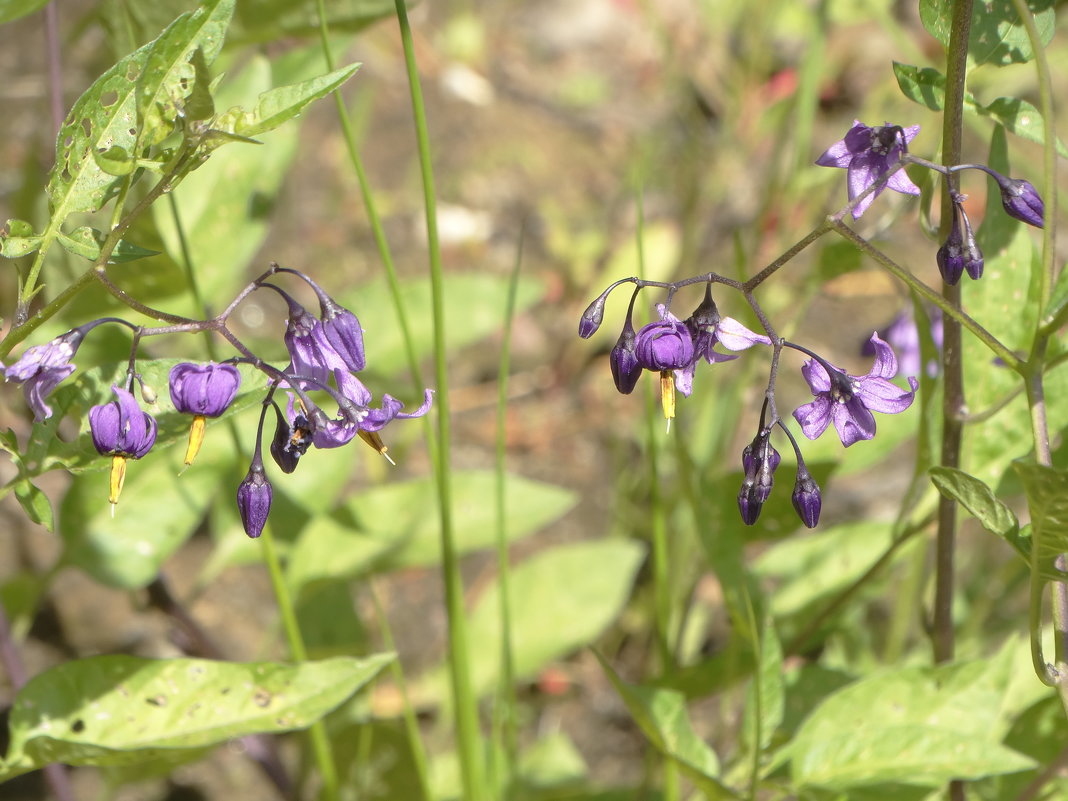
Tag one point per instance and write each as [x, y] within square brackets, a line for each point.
[467, 724]
[506, 707]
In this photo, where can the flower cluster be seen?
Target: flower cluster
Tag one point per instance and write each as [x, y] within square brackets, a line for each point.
[325, 353]
[673, 348]
[875, 159]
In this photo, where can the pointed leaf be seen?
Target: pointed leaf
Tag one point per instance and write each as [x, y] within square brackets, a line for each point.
[662, 717]
[283, 103]
[114, 710]
[35, 504]
[977, 498]
[997, 35]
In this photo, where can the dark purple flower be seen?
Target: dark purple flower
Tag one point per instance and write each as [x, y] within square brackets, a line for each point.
[254, 497]
[1021, 200]
[664, 345]
[759, 460]
[291, 439]
[41, 368]
[205, 390]
[624, 360]
[849, 401]
[344, 332]
[806, 497]
[959, 253]
[868, 153]
[120, 428]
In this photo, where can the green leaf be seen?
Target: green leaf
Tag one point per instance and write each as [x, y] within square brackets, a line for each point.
[1019, 117]
[14, 9]
[815, 566]
[276, 106]
[107, 114]
[977, 498]
[1047, 501]
[769, 681]
[86, 242]
[114, 710]
[665, 722]
[271, 20]
[925, 86]
[396, 525]
[546, 590]
[170, 74]
[35, 504]
[920, 726]
[18, 239]
[997, 35]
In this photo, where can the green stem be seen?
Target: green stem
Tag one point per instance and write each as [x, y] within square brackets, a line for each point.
[1034, 378]
[469, 740]
[324, 758]
[506, 705]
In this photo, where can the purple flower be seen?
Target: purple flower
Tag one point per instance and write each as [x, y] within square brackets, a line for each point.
[708, 327]
[42, 367]
[806, 497]
[664, 345]
[759, 460]
[868, 153]
[311, 354]
[205, 390]
[120, 428]
[338, 432]
[344, 332]
[848, 400]
[903, 337]
[254, 497]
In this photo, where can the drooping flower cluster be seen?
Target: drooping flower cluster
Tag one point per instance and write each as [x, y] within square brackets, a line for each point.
[325, 352]
[673, 348]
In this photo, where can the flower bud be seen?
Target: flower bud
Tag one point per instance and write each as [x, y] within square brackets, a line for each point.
[344, 332]
[254, 499]
[624, 361]
[1022, 201]
[592, 318]
[806, 498]
[973, 257]
[759, 460]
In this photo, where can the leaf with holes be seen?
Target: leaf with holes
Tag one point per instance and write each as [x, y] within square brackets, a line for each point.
[106, 116]
[116, 710]
[280, 104]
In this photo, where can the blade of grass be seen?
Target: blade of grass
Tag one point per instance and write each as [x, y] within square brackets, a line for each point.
[469, 741]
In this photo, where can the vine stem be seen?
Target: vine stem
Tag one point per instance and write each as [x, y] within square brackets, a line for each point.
[469, 740]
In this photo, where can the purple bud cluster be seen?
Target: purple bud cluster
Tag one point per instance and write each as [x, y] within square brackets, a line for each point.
[325, 352]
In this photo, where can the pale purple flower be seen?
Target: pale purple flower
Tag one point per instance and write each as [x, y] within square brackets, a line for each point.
[903, 337]
[121, 428]
[41, 368]
[868, 153]
[848, 401]
[338, 432]
[707, 328]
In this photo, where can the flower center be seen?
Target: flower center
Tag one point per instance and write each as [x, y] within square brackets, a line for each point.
[842, 387]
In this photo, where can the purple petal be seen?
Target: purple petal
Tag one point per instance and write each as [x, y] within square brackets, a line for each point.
[880, 395]
[391, 409]
[885, 365]
[853, 421]
[900, 182]
[837, 155]
[684, 379]
[40, 386]
[814, 417]
[735, 336]
[910, 132]
[858, 138]
[816, 376]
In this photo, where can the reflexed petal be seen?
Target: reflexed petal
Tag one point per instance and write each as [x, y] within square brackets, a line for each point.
[853, 421]
[880, 395]
[391, 409]
[684, 379]
[814, 417]
[885, 365]
[816, 376]
[40, 387]
[858, 138]
[735, 336]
